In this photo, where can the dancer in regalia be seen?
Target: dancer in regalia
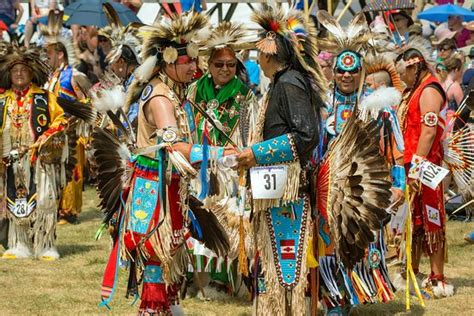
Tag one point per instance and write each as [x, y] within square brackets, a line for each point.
[350, 273]
[233, 106]
[124, 56]
[422, 124]
[65, 82]
[148, 190]
[286, 133]
[33, 171]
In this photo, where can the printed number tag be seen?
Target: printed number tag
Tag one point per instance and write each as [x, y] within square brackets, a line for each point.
[432, 175]
[268, 182]
[21, 208]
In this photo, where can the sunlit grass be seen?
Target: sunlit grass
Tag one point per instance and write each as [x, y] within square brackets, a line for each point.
[71, 285]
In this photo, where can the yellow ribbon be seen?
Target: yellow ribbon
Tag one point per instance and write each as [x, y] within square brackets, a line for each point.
[410, 273]
[311, 261]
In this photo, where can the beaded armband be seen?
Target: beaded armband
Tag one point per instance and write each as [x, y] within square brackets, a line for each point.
[197, 153]
[277, 150]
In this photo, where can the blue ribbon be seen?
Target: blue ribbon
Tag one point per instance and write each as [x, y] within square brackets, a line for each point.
[109, 299]
[195, 223]
[354, 298]
[204, 166]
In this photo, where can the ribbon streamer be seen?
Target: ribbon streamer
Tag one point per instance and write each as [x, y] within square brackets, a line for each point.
[410, 273]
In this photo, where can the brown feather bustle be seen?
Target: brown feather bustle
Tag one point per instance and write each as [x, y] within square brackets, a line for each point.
[112, 170]
[358, 189]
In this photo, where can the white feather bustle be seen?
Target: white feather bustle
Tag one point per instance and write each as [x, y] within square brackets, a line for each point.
[145, 71]
[109, 99]
[383, 97]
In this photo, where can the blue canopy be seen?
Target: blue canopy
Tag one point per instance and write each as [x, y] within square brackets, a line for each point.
[90, 12]
[441, 13]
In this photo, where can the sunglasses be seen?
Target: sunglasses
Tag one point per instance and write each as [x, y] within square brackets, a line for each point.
[445, 48]
[342, 71]
[231, 64]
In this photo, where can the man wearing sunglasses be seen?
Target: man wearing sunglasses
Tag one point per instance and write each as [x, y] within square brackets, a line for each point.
[346, 84]
[233, 105]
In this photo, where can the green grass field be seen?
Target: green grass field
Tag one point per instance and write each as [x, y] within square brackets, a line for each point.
[71, 285]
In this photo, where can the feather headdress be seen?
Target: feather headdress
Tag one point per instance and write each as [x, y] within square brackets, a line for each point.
[418, 43]
[355, 37]
[53, 34]
[120, 36]
[229, 35]
[165, 41]
[172, 37]
[297, 34]
[10, 55]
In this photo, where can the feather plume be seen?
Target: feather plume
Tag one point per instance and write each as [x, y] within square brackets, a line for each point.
[145, 71]
[213, 235]
[383, 97]
[120, 36]
[112, 160]
[112, 16]
[110, 99]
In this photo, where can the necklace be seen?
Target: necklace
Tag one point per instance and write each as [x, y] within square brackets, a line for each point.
[20, 108]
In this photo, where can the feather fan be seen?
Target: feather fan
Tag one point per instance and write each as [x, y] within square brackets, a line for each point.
[355, 191]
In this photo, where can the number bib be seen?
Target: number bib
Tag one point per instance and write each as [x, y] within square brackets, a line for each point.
[268, 182]
[20, 209]
[432, 175]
